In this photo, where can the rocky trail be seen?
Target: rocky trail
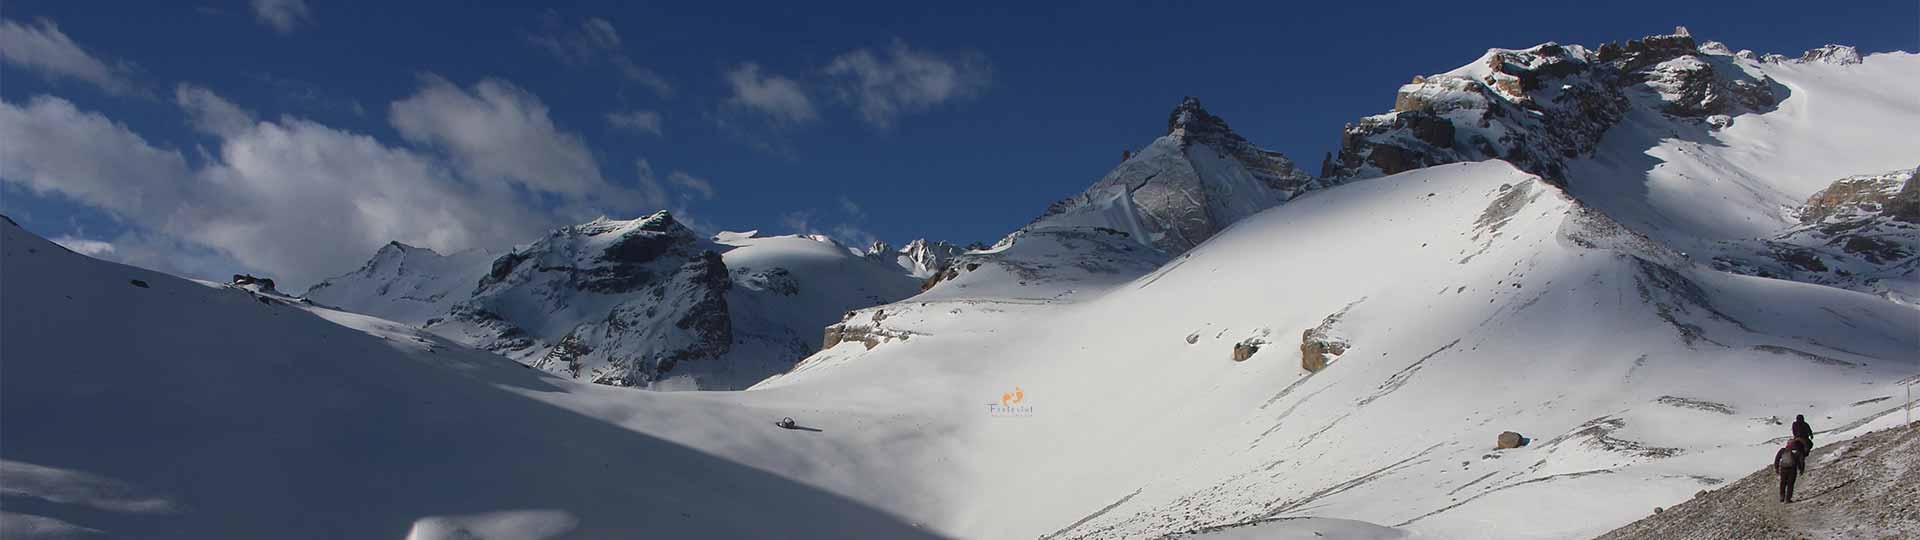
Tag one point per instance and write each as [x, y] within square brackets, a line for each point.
[1867, 488]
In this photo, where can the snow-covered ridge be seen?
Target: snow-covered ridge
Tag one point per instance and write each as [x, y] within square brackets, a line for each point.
[405, 283]
[643, 302]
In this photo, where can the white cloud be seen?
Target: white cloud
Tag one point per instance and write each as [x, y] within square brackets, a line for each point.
[53, 147]
[590, 42]
[692, 183]
[291, 198]
[210, 113]
[641, 121]
[90, 248]
[43, 48]
[900, 80]
[497, 131]
[781, 99]
[282, 16]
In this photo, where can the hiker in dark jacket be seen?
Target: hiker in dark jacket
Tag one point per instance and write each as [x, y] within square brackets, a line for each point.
[1800, 428]
[1787, 463]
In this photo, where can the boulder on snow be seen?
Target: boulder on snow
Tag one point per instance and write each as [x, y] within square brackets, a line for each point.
[1245, 349]
[1510, 439]
[1323, 344]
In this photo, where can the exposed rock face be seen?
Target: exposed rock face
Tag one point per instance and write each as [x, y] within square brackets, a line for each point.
[1539, 107]
[1833, 54]
[623, 303]
[923, 259]
[1862, 232]
[862, 327]
[253, 283]
[1894, 194]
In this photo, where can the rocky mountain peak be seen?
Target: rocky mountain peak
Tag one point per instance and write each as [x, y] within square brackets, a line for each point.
[1832, 54]
[1192, 119]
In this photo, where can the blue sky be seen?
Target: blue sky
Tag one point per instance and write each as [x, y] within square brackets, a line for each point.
[293, 139]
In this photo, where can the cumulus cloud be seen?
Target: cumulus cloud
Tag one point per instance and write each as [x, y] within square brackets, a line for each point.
[282, 16]
[592, 41]
[639, 121]
[301, 201]
[44, 49]
[210, 113]
[497, 131]
[900, 80]
[781, 99]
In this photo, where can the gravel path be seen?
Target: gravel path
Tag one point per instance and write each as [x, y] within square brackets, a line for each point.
[1866, 488]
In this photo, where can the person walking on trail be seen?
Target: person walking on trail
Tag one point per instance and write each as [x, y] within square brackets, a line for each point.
[1800, 428]
[1802, 442]
[1787, 462]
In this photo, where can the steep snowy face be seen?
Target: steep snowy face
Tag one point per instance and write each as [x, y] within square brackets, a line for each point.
[1186, 186]
[404, 283]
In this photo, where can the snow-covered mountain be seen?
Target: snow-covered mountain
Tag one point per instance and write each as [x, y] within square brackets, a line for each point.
[1598, 291]
[1172, 195]
[404, 283]
[643, 302]
[1711, 151]
[1580, 246]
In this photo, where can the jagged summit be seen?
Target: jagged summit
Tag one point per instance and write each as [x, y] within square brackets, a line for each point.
[1189, 117]
[1165, 199]
[1188, 184]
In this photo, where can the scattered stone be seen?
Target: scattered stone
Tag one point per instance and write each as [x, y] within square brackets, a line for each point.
[1245, 349]
[1509, 439]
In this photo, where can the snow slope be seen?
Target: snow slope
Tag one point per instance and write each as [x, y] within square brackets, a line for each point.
[1484, 301]
[180, 409]
[1731, 196]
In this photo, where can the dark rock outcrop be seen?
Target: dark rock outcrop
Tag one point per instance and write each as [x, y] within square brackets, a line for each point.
[1539, 107]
